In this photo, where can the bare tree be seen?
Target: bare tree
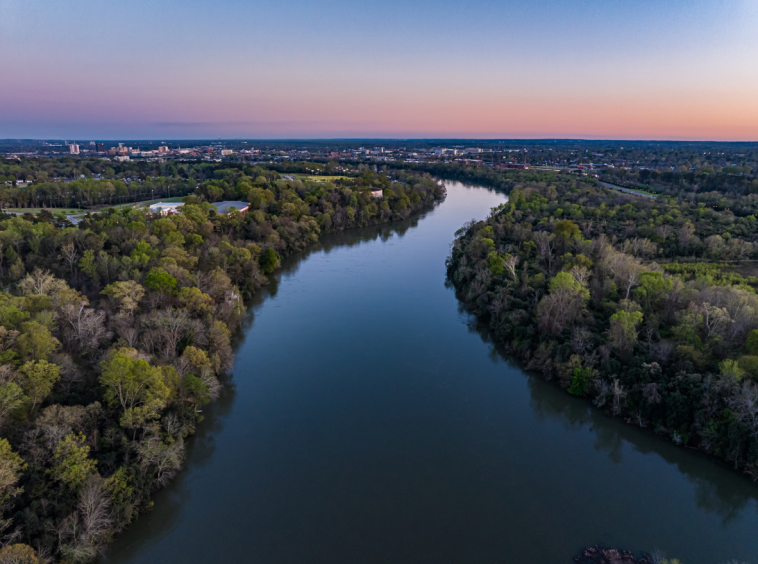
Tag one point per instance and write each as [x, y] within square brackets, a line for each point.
[650, 393]
[744, 403]
[581, 339]
[70, 254]
[619, 393]
[580, 273]
[85, 326]
[510, 263]
[545, 247]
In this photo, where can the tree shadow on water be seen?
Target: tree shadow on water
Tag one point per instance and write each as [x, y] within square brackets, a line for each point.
[718, 489]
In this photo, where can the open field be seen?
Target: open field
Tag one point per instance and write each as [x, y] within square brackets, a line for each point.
[176, 199]
[316, 178]
[54, 211]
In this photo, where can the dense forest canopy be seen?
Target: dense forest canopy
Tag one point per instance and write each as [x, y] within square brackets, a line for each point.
[647, 306]
[116, 332]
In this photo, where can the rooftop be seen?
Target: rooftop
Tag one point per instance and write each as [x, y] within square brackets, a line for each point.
[226, 207]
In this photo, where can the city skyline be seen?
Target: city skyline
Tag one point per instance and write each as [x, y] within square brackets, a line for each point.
[284, 70]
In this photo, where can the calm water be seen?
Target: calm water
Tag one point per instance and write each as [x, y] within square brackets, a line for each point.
[370, 420]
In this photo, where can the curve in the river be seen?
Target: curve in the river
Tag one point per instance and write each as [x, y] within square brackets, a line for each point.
[370, 419]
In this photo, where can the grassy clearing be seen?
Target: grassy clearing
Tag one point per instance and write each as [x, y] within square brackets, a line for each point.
[177, 199]
[315, 178]
[54, 211]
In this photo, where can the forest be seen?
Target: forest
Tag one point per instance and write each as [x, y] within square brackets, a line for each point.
[115, 333]
[646, 307]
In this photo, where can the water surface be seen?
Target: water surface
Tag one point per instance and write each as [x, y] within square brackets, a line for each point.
[370, 420]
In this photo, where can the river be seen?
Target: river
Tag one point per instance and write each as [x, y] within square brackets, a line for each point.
[371, 420]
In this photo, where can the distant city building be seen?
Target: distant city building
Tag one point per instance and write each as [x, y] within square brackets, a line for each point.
[163, 149]
[120, 150]
[100, 147]
[73, 149]
[226, 152]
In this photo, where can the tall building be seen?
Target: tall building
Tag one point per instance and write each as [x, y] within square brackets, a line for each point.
[73, 149]
[100, 147]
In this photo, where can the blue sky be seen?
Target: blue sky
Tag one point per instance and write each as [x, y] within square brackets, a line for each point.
[291, 68]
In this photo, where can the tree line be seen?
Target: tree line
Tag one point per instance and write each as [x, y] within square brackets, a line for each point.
[116, 333]
[627, 301]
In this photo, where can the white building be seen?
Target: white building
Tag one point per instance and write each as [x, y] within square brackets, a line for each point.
[166, 208]
[377, 193]
[73, 149]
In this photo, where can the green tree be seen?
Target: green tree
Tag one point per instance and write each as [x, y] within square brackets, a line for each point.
[752, 342]
[497, 263]
[131, 383]
[749, 363]
[623, 331]
[564, 281]
[88, 265]
[11, 467]
[652, 287]
[158, 280]
[72, 462]
[268, 261]
[37, 379]
[565, 230]
[579, 381]
[127, 294]
[11, 398]
[730, 367]
[35, 342]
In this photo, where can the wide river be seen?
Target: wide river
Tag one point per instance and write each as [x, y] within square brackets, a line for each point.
[371, 420]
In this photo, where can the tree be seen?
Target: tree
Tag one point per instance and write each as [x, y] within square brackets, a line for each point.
[545, 246]
[35, 342]
[196, 301]
[18, 554]
[127, 293]
[85, 327]
[158, 280]
[11, 466]
[752, 342]
[131, 383]
[623, 331]
[72, 462]
[41, 283]
[37, 379]
[268, 261]
[565, 281]
[563, 306]
[579, 381]
[731, 368]
[11, 398]
[652, 287]
[565, 230]
[496, 263]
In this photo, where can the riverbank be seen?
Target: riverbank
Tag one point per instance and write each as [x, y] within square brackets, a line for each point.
[600, 555]
[577, 302]
[367, 404]
[148, 304]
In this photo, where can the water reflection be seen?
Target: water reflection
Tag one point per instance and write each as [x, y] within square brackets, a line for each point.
[372, 419]
[718, 489]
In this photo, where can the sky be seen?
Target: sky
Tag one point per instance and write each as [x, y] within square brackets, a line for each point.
[284, 69]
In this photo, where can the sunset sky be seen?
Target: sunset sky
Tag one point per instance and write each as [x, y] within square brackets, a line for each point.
[171, 69]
